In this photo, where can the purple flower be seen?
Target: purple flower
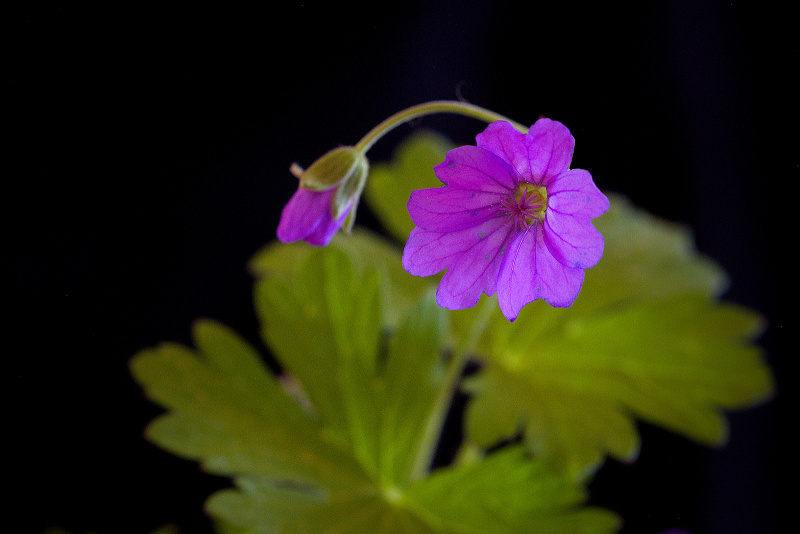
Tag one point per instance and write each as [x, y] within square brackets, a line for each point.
[512, 218]
[326, 198]
[308, 215]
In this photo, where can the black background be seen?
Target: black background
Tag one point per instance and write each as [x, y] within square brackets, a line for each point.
[149, 158]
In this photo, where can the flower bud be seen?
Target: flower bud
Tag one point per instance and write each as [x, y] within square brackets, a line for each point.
[343, 167]
[327, 197]
[333, 167]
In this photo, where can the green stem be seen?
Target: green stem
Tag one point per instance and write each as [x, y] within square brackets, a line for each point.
[435, 424]
[428, 108]
[433, 428]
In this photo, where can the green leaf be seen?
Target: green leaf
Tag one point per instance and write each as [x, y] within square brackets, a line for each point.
[645, 340]
[390, 184]
[646, 257]
[506, 493]
[346, 462]
[321, 326]
[226, 527]
[324, 327]
[230, 413]
[366, 250]
[516, 494]
[412, 378]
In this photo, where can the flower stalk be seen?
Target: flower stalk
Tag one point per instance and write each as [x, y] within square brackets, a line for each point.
[329, 190]
[429, 108]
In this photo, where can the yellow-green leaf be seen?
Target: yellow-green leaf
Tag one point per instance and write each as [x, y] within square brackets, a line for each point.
[390, 184]
[647, 339]
[346, 462]
[366, 250]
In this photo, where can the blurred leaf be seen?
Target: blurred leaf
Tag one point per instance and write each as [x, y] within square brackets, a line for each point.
[390, 184]
[508, 492]
[646, 257]
[346, 462]
[324, 327]
[226, 527]
[366, 250]
[229, 412]
[646, 339]
[412, 379]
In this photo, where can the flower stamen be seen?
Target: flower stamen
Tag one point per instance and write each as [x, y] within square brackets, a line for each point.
[526, 204]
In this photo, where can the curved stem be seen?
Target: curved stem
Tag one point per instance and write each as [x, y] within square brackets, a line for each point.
[428, 108]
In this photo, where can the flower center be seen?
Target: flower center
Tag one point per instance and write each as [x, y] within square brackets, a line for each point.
[526, 204]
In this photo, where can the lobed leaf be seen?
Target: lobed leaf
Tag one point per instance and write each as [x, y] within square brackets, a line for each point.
[322, 327]
[505, 493]
[229, 413]
[347, 462]
[645, 340]
[413, 378]
[646, 257]
[365, 250]
[517, 495]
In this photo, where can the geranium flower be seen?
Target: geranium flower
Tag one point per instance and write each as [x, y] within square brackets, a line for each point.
[326, 198]
[308, 216]
[512, 218]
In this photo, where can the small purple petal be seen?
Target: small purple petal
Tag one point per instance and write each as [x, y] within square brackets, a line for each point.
[573, 192]
[308, 216]
[529, 272]
[475, 169]
[303, 214]
[449, 209]
[572, 240]
[328, 228]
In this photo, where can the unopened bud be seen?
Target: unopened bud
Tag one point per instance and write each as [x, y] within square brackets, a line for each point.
[338, 165]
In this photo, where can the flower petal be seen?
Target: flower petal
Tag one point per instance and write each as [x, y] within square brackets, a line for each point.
[529, 271]
[573, 192]
[508, 143]
[471, 257]
[475, 169]
[304, 213]
[328, 228]
[572, 239]
[544, 152]
[449, 208]
[552, 149]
